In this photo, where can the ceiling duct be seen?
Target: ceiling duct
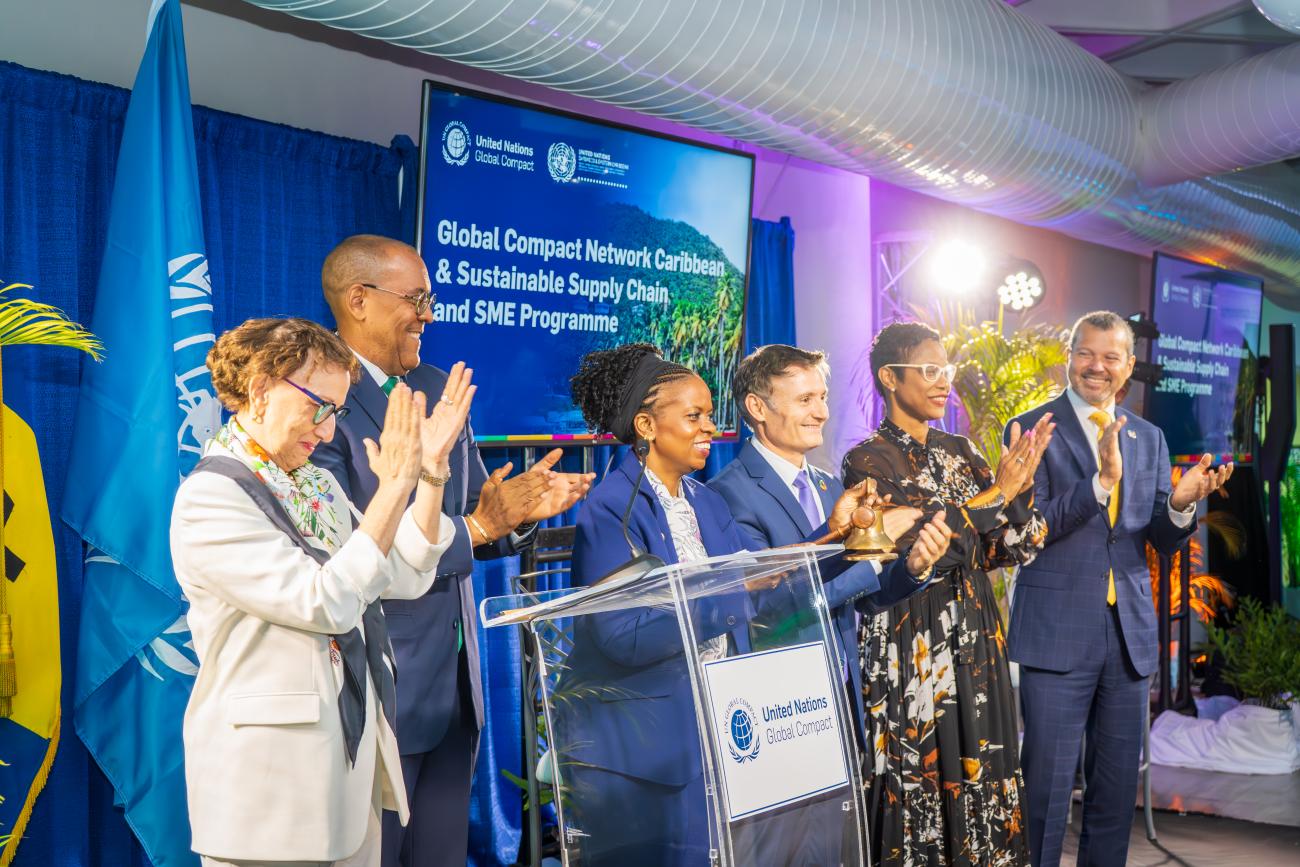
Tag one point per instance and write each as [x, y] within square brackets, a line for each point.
[966, 100]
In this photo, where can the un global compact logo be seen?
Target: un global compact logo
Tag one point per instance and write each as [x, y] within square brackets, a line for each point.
[562, 161]
[743, 741]
[455, 143]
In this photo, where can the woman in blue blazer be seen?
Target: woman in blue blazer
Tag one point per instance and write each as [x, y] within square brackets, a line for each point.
[638, 745]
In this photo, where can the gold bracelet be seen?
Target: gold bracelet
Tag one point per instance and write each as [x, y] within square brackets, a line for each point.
[436, 481]
[473, 522]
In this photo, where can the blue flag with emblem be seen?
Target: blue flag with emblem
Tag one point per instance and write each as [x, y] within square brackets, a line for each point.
[142, 417]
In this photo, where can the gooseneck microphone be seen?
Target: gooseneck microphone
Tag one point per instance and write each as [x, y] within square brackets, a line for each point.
[642, 563]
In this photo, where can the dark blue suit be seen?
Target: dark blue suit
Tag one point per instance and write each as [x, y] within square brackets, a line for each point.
[638, 745]
[1085, 664]
[439, 693]
[768, 512]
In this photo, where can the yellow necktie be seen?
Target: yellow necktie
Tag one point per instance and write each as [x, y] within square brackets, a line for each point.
[1101, 420]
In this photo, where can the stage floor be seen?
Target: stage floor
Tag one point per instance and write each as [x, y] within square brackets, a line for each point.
[1202, 841]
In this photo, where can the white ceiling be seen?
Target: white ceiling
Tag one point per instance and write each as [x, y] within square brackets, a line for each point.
[1159, 41]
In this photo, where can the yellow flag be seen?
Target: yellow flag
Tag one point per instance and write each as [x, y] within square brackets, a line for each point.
[29, 597]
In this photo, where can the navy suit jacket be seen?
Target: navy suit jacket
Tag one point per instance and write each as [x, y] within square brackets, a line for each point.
[1058, 614]
[423, 630]
[768, 512]
[644, 728]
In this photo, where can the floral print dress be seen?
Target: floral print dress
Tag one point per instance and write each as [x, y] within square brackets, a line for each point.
[943, 774]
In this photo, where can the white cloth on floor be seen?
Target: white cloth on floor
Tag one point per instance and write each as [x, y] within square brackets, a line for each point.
[1241, 739]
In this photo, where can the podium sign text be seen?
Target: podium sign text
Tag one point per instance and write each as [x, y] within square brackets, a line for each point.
[773, 717]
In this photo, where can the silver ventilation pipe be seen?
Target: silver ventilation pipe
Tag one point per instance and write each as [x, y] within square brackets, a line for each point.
[1246, 114]
[965, 100]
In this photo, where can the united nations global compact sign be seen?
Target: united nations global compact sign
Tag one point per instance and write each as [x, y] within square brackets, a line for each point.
[776, 727]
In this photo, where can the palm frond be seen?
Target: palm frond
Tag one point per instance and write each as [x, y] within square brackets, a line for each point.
[999, 376]
[23, 321]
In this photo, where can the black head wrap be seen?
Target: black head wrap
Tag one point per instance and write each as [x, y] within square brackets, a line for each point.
[649, 370]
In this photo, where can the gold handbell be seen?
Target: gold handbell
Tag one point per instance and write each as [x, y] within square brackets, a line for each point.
[870, 543]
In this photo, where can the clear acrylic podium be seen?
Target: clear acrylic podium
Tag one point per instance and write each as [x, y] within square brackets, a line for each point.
[697, 715]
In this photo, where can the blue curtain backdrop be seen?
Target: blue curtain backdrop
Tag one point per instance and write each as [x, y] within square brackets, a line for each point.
[275, 199]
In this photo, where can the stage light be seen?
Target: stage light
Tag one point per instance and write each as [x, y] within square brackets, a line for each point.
[1022, 287]
[958, 267]
[1143, 328]
[1144, 371]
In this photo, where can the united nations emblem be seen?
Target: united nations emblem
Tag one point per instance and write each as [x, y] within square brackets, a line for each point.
[455, 143]
[562, 161]
[743, 741]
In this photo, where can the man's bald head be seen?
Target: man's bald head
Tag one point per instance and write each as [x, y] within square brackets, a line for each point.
[358, 259]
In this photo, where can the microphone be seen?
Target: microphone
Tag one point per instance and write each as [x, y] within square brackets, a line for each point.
[642, 562]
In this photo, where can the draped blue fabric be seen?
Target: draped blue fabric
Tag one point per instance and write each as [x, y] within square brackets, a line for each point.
[275, 200]
[769, 314]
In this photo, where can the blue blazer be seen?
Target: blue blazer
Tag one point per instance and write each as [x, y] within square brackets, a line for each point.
[1058, 614]
[770, 515]
[640, 650]
[423, 630]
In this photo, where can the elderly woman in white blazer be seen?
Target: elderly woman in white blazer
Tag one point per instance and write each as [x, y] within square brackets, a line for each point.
[289, 747]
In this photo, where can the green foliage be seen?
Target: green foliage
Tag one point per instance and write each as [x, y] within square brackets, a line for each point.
[1290, 495]
[23, 321]
[1261, 653]
[702, 325]
[999, 375]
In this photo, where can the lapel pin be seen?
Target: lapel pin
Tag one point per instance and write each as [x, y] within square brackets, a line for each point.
[822, 484]
[1131, 435]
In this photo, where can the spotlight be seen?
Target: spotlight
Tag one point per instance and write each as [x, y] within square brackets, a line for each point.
[958, 267]
[1022, 287]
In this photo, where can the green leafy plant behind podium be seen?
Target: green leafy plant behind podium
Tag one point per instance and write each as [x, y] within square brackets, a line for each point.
[999, 375]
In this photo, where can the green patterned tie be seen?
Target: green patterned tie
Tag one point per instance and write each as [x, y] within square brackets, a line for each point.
[390, 384]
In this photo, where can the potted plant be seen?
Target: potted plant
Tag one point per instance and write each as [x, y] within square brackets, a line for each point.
[1261, 654]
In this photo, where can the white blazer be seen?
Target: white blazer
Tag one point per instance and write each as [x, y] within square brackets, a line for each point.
[265, 765]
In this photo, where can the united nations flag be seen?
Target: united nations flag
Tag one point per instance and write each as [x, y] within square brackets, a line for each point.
[30, 671]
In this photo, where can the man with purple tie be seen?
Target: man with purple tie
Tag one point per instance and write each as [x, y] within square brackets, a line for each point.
[779, 498]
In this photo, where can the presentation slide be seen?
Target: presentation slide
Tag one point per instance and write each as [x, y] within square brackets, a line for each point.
[1209, 347]
[548, 235]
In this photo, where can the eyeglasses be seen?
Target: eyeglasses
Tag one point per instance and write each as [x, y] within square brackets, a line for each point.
[421, 302]
[324, 408]
[932, 372]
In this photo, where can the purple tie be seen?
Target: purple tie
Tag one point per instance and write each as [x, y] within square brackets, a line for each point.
[807, 499]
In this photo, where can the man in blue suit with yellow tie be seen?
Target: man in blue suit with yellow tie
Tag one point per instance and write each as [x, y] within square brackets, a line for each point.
[1083, 625]
[779, 498]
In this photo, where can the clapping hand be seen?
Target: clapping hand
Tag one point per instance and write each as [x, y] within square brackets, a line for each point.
[395, 460]
[1109, 460]
[563, 489]
[505, 503]
[931, 544]
[1198, 483]
[1021, 457]
[441, 428]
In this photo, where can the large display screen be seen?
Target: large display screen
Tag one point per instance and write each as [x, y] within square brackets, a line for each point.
[1209, 347]
[548, 235]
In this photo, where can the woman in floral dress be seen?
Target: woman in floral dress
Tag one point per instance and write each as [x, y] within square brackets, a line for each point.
[943, 777]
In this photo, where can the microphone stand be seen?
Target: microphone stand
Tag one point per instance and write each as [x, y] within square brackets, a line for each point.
[642, 562]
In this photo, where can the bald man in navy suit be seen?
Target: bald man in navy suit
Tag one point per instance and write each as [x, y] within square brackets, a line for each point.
[379, 291]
